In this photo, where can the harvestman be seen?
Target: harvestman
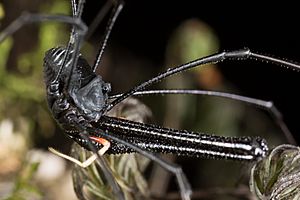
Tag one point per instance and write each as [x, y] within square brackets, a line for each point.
[78, 99]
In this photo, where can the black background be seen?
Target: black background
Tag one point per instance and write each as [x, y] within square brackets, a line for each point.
[144, 27]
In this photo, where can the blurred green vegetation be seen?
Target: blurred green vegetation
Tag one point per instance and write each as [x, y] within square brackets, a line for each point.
[24, 188]
[22, 96]
[22, 92]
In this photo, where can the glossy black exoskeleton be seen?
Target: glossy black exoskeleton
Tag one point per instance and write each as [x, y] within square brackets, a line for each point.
[77, 99]
[85, 100]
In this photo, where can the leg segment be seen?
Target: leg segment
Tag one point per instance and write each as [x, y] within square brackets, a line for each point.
[90, 160]
[115, 13]
[266, 105]
[183, 183]
[27, 18]
[241, 54]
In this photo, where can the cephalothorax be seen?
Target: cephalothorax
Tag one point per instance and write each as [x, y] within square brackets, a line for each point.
[86, 91]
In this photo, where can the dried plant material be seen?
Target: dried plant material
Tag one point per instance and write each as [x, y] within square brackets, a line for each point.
[277, 177]
[127, 169]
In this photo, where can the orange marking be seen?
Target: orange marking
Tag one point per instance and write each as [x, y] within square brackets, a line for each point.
[102, 141]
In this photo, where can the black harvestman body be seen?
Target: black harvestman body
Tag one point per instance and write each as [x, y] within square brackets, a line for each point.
[80, 106]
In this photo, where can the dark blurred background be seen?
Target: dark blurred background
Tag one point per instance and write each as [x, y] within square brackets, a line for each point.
[143, 42]
[144, 28]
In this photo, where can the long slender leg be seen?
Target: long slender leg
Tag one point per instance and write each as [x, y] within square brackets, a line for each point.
[215, 58]
[74, 7]
[102, 163]
[77, 12]
[99, 18]
[91, 159]
[183, 183]
[115, 13]
[27, 18]
[73, 44]
[266, 105]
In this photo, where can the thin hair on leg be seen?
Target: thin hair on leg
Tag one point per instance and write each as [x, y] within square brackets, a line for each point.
[215, 58]
[266, 105]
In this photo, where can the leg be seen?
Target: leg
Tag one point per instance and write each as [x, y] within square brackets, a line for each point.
[183, 183]
[215, 58]
[76, 13]
[97, 156]
[90, 160]
[77, 10]
[102, 163]
[84, 164]
[115, 13]
[27, 18]
[99, 18]
[266, 105]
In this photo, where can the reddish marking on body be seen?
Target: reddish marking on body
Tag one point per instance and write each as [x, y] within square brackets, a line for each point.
[100, 140]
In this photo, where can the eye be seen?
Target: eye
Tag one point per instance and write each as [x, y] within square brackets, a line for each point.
[106, 88]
